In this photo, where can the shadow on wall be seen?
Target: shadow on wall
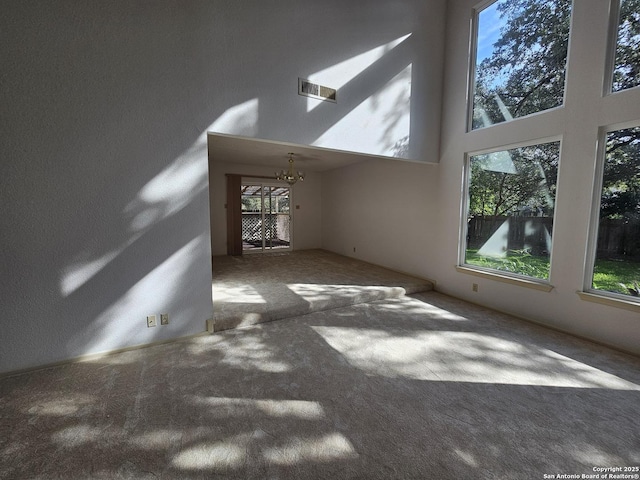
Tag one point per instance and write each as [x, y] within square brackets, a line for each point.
[104, 178]
[379, 56]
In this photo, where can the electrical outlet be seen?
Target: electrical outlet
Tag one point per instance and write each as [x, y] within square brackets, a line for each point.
[164, 319]
[152, 321]
[474, 287]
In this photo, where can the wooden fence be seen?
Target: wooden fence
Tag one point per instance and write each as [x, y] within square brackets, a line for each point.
[617, 239]
[523, 233]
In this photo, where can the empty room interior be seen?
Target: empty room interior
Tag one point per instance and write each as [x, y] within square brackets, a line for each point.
[321, 239]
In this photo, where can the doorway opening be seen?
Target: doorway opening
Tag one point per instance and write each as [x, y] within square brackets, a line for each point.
[266, 217]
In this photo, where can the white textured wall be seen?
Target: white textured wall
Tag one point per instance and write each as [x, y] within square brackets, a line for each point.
[103, 181]
[578, 122]
[383, 208]
[307, 231]
[384, 57]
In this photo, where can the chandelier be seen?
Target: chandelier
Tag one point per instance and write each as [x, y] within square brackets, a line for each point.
[290, 177]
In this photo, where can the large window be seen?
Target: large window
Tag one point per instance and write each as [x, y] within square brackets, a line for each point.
[617, 256]
[626, 68]
[521, 56]
[510, 207]
[518, 71]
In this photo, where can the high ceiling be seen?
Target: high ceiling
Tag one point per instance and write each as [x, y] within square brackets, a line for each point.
[232, 149]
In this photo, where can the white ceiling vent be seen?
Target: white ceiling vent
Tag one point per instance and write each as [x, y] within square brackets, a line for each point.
[313, 90]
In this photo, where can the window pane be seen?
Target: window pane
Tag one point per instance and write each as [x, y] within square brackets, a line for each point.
[521, 59]
[617, 265]
[511, 204]
[626, 71]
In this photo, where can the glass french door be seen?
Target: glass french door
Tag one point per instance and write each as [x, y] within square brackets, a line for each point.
[266, 217]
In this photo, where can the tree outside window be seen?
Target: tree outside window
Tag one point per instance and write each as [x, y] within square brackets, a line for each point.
[617, 263]
[521, 57]
[626, 69]
[511, 202]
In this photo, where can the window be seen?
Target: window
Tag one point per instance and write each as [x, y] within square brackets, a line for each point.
[266, 217]
[510, 206]
[520, 62]
[617, 257]
[626, 68]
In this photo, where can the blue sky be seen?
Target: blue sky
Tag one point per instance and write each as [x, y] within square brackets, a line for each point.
[488, 31]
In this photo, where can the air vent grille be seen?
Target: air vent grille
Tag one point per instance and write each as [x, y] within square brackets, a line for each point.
[313, 90]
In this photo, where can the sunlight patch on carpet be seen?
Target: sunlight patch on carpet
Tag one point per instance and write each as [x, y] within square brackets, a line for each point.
[212, 455]
[463, 357]
[237, 294]
[245, 407]
[326, 448]
[318, 292]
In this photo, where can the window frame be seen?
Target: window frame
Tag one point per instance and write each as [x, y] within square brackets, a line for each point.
[612, 46]
[508, 277]
[472, 65]
[473, 58]
[588, 292]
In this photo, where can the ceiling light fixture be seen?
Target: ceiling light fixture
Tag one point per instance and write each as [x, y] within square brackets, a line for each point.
[290, 177]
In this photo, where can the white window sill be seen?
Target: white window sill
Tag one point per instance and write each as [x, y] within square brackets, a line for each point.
[540, 285]
[632, 305]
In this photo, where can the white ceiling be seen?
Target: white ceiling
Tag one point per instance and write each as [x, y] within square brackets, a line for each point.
[232, 149]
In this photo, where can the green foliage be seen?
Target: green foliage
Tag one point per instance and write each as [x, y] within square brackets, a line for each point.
[251, 204]
[530, 183]
[519, 262]
[609, 275]
[272, 203]
[526, 71]
[524, 74]
[626, 73]
[615, 276]
[621, 182]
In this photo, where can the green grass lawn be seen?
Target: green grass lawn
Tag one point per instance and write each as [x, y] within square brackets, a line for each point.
[608, 274]
[518, 262]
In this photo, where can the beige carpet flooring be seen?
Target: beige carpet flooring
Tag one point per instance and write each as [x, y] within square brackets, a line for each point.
[253, 289]
[413, 387]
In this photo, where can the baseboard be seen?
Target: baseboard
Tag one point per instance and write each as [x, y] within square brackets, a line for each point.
[96, 356]
[546, 325]
[433, 282]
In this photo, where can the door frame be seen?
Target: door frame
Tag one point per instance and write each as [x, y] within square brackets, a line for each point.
[267, 183]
